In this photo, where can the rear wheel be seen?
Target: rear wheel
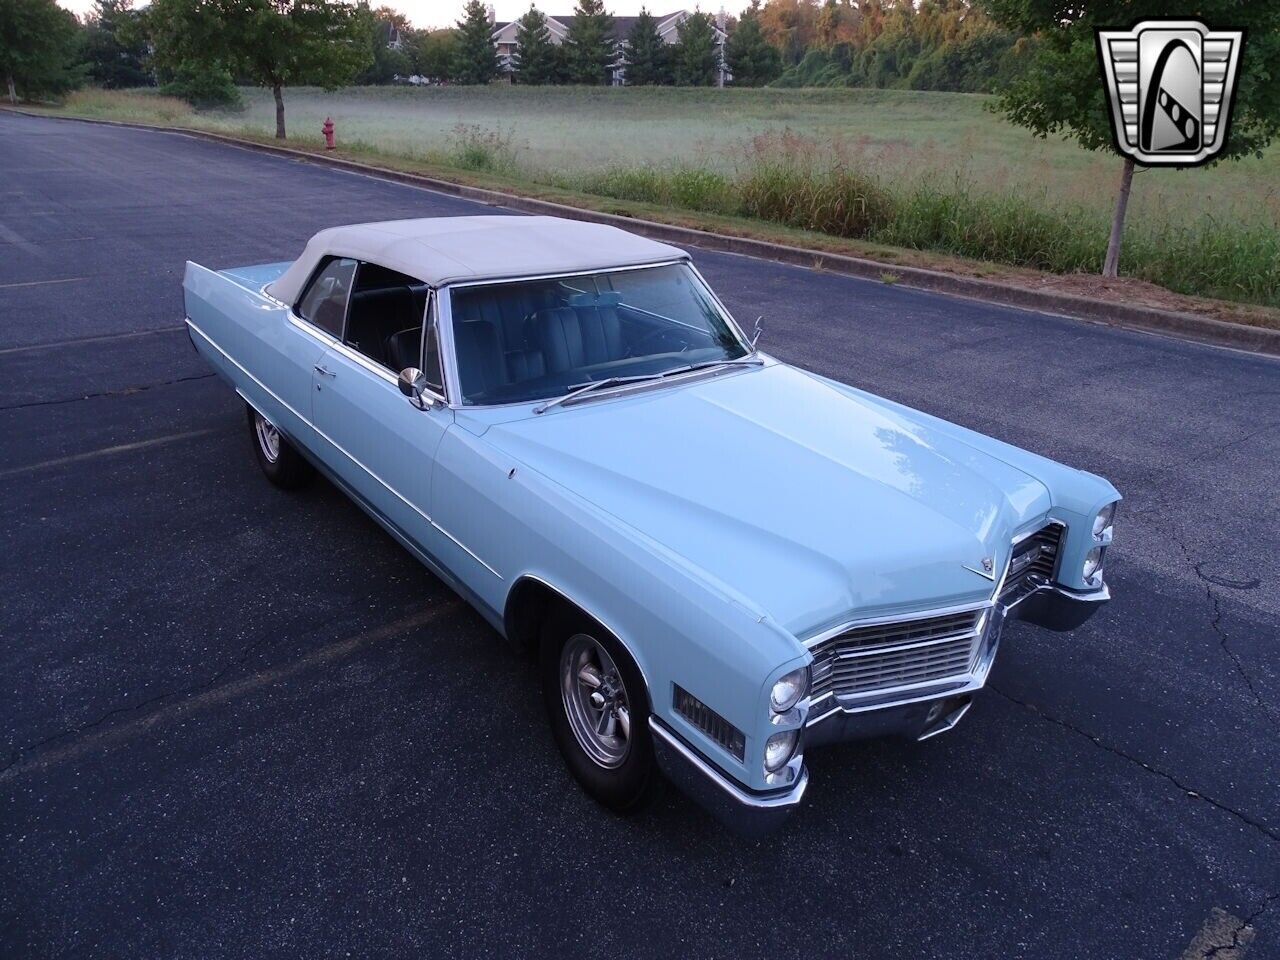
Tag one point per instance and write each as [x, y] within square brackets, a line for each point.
[599, 712]
[278, 458]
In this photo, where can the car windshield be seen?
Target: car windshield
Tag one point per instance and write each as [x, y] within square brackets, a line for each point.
[535, 339]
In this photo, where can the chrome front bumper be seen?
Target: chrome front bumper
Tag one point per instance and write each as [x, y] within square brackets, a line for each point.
[743, 811]
[1057, 608]
[928, 711]
[936, 708]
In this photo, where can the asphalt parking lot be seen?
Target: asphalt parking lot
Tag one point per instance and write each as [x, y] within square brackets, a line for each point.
[242, 723]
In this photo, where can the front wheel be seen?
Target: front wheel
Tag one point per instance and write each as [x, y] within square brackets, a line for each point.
[279, 460]
[599, 711]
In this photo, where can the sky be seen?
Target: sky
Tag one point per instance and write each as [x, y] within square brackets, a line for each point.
[444, 13]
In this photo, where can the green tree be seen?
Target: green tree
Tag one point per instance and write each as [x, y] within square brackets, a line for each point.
[385, 27]
[432, 53]
[1061, 90]
[203, 85]
[751, 59]
[39, 47]
[536, 59]
[589, 50]
[272, 43]
[114, 50]
[647, 58]
[696, 57]
[474, 58]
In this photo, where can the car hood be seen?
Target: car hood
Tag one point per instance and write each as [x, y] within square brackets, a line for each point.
[809, 501]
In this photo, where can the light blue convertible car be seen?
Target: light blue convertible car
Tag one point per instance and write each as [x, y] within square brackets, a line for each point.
[721, 561]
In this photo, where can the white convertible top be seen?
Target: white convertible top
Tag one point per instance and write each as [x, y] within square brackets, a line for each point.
[447, 249]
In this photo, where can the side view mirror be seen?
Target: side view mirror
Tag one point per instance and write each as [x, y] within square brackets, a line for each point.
[413, 384]
[755, 333]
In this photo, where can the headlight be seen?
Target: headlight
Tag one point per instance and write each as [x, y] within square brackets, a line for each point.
[1092, 563]
[1103, 520]
[779, 748]
[789, 689]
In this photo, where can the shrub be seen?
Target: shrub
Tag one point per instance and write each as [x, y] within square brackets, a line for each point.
[473, 147]
[204, 87]
[835, 201]
[689, 188]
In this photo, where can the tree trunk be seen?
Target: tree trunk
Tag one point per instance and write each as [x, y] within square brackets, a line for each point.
[13, 93]
[1111, 266]
[278, 92]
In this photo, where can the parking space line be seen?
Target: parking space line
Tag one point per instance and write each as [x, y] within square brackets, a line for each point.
[109, 451]
[37, 283]
[22, 243]
[101, 737]
[55, 344]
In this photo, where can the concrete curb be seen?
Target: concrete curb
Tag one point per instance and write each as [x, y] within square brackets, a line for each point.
[1152, 319]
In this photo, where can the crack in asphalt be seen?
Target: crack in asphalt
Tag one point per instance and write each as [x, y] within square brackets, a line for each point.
[1246, 927]
[1215, 622]
[1238, 441]
[1097, 741]
[124, 392]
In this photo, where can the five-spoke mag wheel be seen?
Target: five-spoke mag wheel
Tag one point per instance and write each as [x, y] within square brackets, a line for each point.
[595, 700]
[268, 437]
[599, 710]
[279, 460]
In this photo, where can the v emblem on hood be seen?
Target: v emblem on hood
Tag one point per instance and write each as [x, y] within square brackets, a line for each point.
[987, 568]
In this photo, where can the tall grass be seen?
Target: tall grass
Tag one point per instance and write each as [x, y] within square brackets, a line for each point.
[800, 185]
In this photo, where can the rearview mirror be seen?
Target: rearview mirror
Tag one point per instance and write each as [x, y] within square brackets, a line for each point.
[413, 384]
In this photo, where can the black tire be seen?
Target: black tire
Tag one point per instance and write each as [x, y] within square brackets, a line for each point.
[629, 784]
[283, 465]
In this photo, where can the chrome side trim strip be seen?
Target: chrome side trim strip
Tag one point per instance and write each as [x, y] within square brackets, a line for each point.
[337, 446]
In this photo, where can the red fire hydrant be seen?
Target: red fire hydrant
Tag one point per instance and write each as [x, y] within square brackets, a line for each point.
[327, 129]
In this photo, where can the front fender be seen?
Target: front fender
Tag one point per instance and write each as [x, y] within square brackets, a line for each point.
[680, 625]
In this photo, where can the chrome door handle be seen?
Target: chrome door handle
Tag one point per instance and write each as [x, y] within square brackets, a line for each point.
[324, 371]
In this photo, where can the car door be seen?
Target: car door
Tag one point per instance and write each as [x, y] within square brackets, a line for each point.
[290, 350]
[381, 444]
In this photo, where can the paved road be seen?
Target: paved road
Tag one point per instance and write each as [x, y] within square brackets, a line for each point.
[240, 723]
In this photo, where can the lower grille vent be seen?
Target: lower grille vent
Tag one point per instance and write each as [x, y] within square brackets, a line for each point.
[709, 722]
[1034, 561]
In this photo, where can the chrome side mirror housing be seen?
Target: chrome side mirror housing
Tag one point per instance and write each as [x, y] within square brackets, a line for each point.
[413, 384]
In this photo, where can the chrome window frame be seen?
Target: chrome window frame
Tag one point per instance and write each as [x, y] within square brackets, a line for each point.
[355, 356]
[315, 274]
[448, 355]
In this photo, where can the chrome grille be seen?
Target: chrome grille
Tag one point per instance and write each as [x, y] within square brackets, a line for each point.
[1034, 561]
[884, 656]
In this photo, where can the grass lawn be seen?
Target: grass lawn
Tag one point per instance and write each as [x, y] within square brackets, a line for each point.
[1042, 203]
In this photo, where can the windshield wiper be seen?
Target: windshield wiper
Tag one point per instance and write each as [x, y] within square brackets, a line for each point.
[751, 360]
[592, 385]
